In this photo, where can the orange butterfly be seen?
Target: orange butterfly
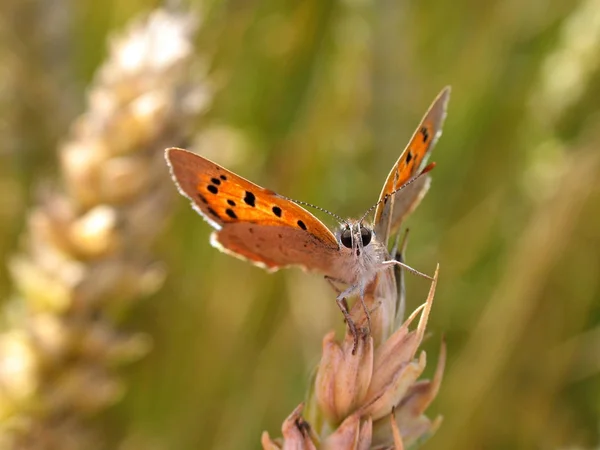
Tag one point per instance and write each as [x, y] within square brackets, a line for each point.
[272, 231]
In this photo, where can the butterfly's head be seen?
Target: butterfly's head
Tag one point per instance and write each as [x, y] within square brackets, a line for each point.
[355, 236]
[362, 252]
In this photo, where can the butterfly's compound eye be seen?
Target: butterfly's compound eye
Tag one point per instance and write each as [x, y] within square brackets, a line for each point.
[346, 238]
[365, 235]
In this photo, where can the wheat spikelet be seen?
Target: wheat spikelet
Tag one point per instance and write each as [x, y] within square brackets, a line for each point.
[86, 250]
[370, 398]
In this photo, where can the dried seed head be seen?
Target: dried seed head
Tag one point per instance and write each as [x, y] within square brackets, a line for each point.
[85, 259]
[296, 434]
[370, 399]
[343, 378]
[347, 435]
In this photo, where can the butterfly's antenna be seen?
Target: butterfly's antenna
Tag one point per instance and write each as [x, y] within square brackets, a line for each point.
[335, 216]
[427, 169]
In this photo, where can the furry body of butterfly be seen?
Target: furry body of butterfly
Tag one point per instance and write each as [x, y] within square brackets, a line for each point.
[272, 231]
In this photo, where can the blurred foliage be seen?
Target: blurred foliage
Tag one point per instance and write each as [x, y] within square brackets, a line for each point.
[316, 101]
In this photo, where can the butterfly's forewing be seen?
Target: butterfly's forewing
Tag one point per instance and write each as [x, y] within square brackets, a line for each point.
[252, 222]
[273, 247]
[393, 209]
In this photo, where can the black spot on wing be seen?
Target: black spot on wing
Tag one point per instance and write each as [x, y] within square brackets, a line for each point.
[425, 134]
[277, 211]
[231, 213]
[202, 198]
[409, 157]
[212, 212]
[230, 202]
[302, 225]
[223, 177]
[250, 199]
[215, 181]
[212, 189]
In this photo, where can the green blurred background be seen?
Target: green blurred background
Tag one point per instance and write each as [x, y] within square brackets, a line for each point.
[316, 100]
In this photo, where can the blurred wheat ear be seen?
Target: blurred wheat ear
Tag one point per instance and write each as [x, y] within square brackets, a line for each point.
[368, 397]
[86, 254]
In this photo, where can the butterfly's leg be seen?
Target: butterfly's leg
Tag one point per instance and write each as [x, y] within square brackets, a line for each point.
[341, 302]
[332, 282]
[345, 302]
[365, 308]
[393, 262]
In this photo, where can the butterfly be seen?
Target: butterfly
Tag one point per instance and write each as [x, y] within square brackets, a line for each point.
[272, 231]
